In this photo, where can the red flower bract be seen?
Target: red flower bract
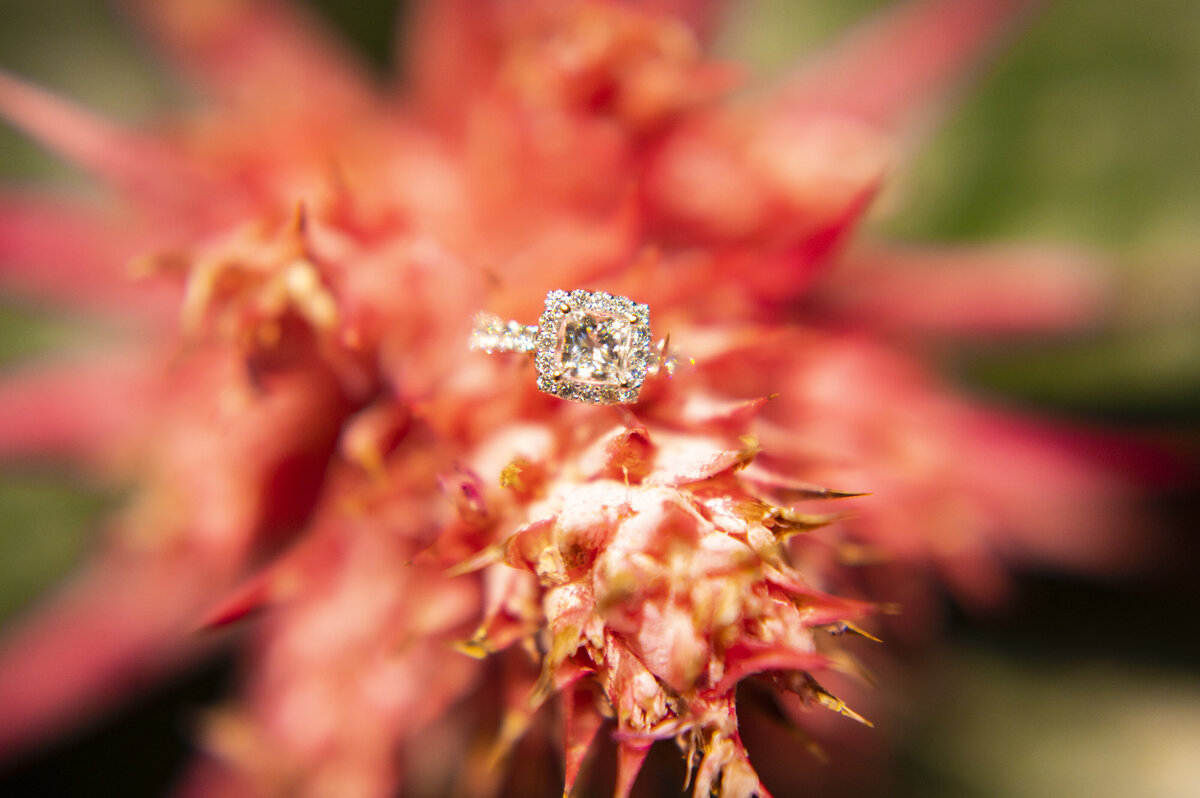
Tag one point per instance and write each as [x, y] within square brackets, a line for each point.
[296, 262]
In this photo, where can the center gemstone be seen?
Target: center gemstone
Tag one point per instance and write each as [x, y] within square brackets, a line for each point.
[594, 347]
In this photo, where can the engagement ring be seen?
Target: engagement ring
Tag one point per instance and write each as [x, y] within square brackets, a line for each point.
[589, 346]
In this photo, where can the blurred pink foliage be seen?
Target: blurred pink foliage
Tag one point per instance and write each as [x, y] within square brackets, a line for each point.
[290, 267]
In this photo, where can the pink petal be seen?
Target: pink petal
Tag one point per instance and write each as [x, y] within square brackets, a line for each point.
[702, 16]
[630, 758]
[371, 435]
[75, 409]
[113, 630]
[727, 761]
[901, 62]
[704, 411]
[454, 45]
[684, 459]
[252, 462]
[1081, 513]
[527, 545]
[255, 52]
[452, 49]
[128, 160]
[788, 489]
[977, 291]
[786, 187]
[60, 251]
[746, 659]
[247, 598]
[581, 721]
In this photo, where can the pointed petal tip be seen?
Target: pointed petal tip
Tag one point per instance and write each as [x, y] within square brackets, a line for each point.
[581, 724]
[255, 51]
[630, 758]
[477, 562]
[846, 627]
[99, 146]
[889, 71]
[982, 291]
[79, 410]
[242, 603]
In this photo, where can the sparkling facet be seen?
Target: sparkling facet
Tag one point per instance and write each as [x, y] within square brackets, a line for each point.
[595, 348]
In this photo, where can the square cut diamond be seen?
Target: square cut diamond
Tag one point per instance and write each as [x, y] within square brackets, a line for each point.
[593, 347]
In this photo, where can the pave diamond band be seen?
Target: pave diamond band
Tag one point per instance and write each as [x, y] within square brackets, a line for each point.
[589, 346]
[494, 334]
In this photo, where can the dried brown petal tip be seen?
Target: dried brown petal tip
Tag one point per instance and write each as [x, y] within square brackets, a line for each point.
[845, 627]
[512, 728]
[816, 693]
[859, 554]
[785, 523]
[751, 449]
[489, 556]
[847, 663]
[830, 493]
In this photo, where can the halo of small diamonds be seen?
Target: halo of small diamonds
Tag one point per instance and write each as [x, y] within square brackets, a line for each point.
[593, 347]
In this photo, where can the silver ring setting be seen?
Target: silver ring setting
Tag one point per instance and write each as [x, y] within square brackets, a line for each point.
[589, 346]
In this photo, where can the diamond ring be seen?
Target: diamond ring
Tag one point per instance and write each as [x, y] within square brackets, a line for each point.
[589, 346]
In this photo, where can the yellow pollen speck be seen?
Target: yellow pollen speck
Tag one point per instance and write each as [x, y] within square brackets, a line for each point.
[510, 475]
[478, 647]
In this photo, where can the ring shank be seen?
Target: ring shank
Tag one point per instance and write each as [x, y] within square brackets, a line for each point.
[493, 334]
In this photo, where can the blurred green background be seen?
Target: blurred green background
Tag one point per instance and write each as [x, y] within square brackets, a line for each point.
[1084, 130]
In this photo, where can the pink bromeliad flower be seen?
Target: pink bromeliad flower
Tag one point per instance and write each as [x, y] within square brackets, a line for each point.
[290, 269]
